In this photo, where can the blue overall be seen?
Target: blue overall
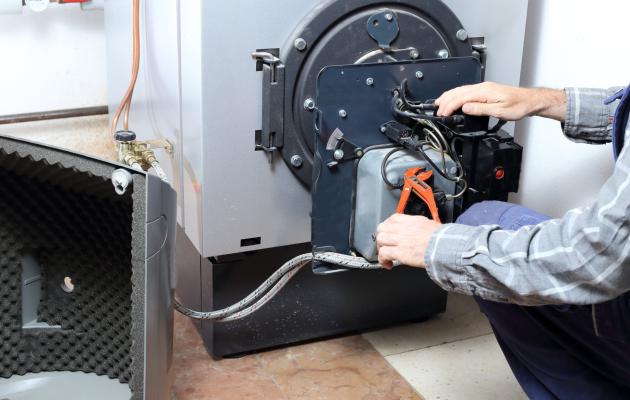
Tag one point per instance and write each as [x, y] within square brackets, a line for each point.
[561, 352]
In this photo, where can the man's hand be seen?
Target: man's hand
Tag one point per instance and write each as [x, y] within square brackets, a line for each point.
[504, 102]
[404, 239]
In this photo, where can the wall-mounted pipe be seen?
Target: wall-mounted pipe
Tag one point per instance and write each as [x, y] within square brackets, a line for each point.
[55, 114]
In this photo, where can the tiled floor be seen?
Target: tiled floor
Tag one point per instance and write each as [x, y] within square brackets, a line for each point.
[452, 356]
[346, 368]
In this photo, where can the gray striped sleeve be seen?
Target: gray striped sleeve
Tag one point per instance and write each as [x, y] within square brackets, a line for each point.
[588, 119]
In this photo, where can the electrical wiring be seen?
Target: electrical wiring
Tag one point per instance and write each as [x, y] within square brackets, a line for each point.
[389, 184]
[272, 286]
[125, 103]
[432, 129]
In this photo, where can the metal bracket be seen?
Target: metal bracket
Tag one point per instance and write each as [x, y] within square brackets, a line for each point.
[383, 28]
[480, 52]
[271, 137]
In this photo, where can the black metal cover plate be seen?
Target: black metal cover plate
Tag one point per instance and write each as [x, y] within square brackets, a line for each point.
[336, 33]
[366, 107]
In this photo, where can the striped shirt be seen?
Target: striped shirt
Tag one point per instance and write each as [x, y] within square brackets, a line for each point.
[582, 258]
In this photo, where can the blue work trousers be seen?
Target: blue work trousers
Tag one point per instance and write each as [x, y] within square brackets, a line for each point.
[558, 352]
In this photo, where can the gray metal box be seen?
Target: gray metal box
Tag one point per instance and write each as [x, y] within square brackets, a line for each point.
[375, 201]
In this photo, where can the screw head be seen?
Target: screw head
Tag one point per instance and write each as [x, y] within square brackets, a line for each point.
[309, 104]
[300, 44]
[462, 35]
[343, 114]
[338, 154]
[414, 54]
[369, 81]
[443, 53]
[476, 54]
[389, 16]
[296, 161]
[419, 74]
[383, 129]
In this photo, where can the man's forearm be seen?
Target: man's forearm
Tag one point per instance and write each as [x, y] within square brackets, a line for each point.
[549, 103]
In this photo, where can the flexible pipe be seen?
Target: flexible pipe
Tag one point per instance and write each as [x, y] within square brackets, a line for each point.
[272, 286]
[159, 171]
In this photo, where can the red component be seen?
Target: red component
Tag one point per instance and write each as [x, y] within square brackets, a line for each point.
[416, 183]
[499, 173]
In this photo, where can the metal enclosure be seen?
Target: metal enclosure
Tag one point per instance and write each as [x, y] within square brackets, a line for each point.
[374, 202]
[109, 333]
[199, 88]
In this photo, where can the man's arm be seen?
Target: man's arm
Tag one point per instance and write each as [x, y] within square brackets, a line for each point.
[504, 102]
[582, 258]
[584, 115]
[579, 259]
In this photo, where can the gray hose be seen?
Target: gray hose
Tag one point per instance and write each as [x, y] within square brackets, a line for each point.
[272, 286]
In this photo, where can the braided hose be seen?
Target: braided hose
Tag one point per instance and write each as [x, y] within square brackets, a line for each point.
[272, 286]
[159, 171]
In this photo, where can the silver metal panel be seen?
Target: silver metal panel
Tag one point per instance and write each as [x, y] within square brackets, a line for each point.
[193, 173]
[244, 196]
[160, 286]
[209, 105]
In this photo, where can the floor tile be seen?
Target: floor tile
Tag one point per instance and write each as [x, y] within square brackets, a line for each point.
[472, 369]
[198, 377]
[462, 320]
[346, 368]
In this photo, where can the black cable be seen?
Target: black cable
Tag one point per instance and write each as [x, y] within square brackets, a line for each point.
[384, 170]
[455, 119]
[399, 101]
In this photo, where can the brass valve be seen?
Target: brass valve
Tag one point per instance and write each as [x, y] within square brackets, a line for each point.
[139, 154]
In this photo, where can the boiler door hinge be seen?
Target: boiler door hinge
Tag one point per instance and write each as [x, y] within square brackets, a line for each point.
[271, 137]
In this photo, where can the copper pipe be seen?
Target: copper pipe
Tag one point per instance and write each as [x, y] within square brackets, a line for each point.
[125, 103]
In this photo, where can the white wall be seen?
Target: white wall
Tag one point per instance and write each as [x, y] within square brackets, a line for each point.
[569, 43]
[54, 60]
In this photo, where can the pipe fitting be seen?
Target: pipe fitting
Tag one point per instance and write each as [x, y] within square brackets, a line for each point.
[122, 180]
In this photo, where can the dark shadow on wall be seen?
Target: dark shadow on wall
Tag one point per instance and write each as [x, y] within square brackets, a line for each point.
[529, 71]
